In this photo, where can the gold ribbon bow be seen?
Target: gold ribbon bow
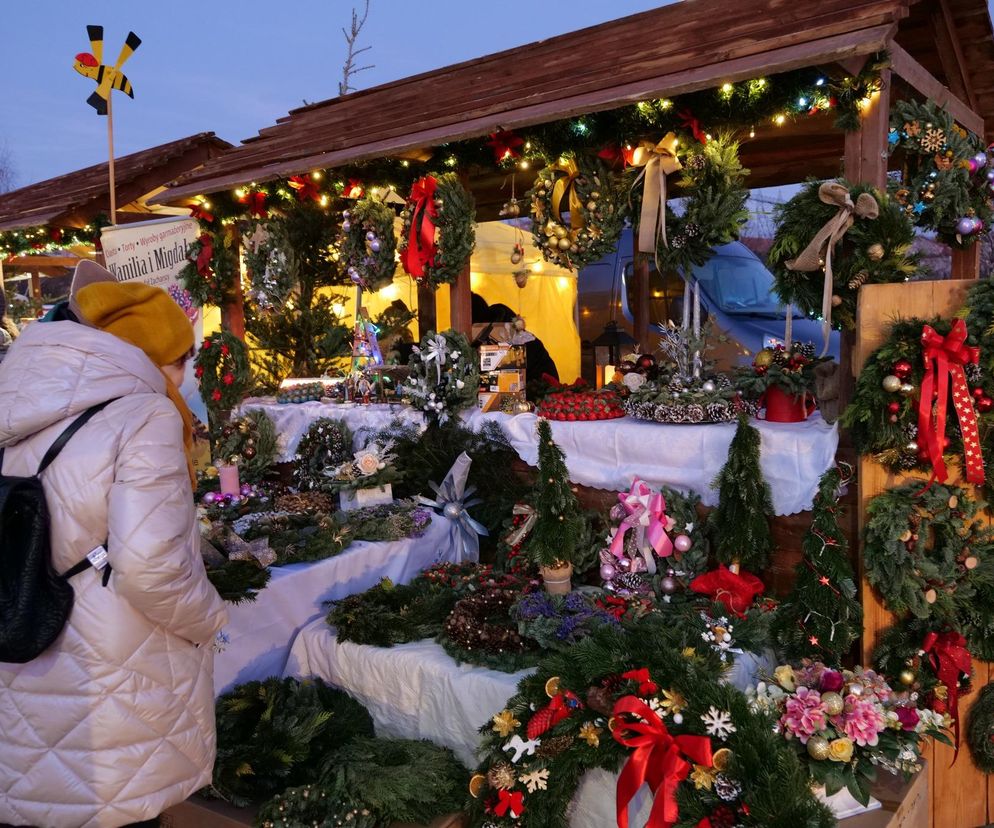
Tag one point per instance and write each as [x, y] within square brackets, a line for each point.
[564, 190]
[657, 162]
[823, 244]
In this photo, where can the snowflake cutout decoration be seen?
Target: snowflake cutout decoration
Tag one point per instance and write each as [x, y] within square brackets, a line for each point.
[933, 140]
[718, 723]
[536, 780]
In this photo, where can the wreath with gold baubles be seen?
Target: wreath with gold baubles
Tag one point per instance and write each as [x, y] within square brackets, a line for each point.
[367, 245]
[210, 271]
[947, 181]
[575, 211]
[222, 368]
[438, 234]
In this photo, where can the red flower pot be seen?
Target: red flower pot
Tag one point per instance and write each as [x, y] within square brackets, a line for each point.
[782, 407]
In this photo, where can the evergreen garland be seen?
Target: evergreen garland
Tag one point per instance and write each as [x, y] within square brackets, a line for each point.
[871, 252]
[978, 312]
[980, 730]
[271, 733]
[555, 537]
[740, 524]
[326, 445]
[944, 176]
[211, 270]
[238, 581]
[367, 245]
[250, 442]
[222, 369]
[822, 617]
[452, 212]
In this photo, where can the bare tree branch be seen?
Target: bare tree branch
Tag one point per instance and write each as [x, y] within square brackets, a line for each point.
[351, 39]
[7, 176]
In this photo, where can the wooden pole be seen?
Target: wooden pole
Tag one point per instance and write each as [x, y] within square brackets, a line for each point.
[233, 312]
[866, 148]
[640, 282]
[461, 299]
[966, 263]
[427, 312]
[110, 156]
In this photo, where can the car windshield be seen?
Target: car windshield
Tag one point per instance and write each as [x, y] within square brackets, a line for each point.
[739, 285]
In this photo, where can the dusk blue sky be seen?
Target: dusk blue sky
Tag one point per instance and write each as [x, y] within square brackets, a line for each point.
[232, 67]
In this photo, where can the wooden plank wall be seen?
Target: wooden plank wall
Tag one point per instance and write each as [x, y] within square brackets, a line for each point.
[961, 796]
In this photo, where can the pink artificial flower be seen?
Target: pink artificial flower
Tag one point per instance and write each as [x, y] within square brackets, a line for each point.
[908, 717]
[803, 716]
[831, 681]
[861, 721]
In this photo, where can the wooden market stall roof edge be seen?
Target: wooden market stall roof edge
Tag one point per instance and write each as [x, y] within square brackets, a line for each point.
[75, 198]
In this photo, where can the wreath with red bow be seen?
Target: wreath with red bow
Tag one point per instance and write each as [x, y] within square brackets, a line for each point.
[438, 235]
[210, 271]
[222, 369]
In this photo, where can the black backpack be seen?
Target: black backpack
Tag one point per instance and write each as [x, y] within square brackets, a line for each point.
[34, 600]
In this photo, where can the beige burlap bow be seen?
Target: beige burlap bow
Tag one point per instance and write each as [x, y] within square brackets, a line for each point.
[657, 161]
[519, 533]
[821, 247]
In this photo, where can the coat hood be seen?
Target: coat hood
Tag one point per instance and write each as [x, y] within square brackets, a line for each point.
[56, 370]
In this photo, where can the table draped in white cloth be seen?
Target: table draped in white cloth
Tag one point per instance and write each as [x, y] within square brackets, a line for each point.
[610, 453]
[417, 691]
[259, 633]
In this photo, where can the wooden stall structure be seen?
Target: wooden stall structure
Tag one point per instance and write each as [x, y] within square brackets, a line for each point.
[937, 49]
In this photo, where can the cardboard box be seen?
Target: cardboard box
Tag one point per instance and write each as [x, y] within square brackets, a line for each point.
[503, 355]
[510, 382]
[360, 498]
[905, 804]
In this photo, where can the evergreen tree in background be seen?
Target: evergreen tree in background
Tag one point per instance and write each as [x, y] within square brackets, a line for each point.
[560, 522]
[740, 524]
[822, 616]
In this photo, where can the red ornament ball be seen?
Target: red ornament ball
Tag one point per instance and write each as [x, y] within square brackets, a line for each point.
[645, 362]
[985, 404]
[978, 392]
[902, 368]
[893, 407]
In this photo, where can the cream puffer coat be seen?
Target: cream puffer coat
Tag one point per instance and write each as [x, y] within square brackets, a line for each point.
[115, 722]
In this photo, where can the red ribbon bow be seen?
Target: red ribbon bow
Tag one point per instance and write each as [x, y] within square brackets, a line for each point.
[659, 760]
[688, 120]
[353, 189]
[200, 214]
[205, 255]
[55, 234]
[948, 354]
[421, 248]
[505, 145]
[256, 203]
[617, 155]
[561, 707]
[646, 685]
[304, 188]
[510, 801]
[949, 657]
[735, 591]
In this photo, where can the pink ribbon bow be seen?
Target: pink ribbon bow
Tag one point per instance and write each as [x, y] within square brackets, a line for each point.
[646, 511]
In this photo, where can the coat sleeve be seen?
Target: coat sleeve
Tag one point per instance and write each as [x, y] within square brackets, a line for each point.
[153, 545]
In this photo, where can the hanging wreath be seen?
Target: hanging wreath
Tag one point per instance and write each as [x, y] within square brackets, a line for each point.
[876, 241]
[210, 271]
[444, 376]
[222, 369]
[885, 417]
[712, 183]
[367, 245]
[326, 445]
[249, 442]
[268, 268]
[947, 180]
[586, 190]
[438, 233]
[980, 730]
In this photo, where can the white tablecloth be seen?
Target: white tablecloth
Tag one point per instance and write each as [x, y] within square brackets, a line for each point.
[260, 632]
[608, 454]
[417, 691]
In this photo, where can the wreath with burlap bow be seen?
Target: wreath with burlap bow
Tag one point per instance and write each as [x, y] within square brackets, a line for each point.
[210, 271]
[438, 234]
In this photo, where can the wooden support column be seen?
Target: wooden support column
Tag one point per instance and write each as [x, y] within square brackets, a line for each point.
[866, 149]
[640, 283]
[966, 263]
[233, 312]
[427, 312]
[461, 299]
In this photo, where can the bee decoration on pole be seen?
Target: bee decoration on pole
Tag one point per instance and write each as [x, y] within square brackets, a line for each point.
[108, 78]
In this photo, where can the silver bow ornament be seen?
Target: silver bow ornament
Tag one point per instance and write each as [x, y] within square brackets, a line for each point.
[451, 500]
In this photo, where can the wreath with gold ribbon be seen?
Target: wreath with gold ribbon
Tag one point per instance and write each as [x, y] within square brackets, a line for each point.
[576, 218]
[210, 271]
[438, 234]
[367, 244]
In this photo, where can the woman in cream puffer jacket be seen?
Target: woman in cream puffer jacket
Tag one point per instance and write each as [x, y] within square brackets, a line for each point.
[115, 722]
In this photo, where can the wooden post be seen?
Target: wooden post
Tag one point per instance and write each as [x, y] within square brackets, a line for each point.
[233, 312]
[866, 149]
[966, 263]
[461, 299]
[110, 156]
[640, 284]
[427, 312]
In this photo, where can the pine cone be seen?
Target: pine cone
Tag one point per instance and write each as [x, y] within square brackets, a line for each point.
[551, 748]
[859, 280]
[697, 161]
[599, 700]
[631, 580]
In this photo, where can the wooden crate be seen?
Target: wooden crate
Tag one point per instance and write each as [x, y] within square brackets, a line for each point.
[905, 804]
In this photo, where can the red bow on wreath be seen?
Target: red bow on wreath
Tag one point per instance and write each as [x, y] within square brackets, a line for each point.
[948, 354]
[353, 189]
[205, 255]
[510, 802]
[736, 591]
[200, 214]
[561, 707]
[688, 120]
[647, 687]
[256, 203]
[659, 760]
[304, 188]
[617, 155]
[421, 248]
[949, 657]
[505, 145]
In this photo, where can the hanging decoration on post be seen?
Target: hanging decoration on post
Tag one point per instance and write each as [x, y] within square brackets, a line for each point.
[367, 245]
[438, 234]
[210, 272]
[575, 215]
[453, 498]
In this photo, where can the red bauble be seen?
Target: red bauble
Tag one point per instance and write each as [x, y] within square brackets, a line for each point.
[978, 392]
[985, 404]
[645, 362]
[902, 368]
[893, 407]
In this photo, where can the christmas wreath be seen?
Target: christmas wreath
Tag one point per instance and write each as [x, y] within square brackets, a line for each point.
[886, 418]
[712, 182]
[820, 277]
[620, 695]
[367, 245]
[249, 442]
[271, 276]
[480, 631]
[326, 445]
[980, 730]
[444, 376]
[438, 233]
[222, 369]
[210, 271]
[947, 179]
[586, 190]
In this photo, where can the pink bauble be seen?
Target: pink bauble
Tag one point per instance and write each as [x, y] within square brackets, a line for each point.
[209, 498]
[608, 572]
[683, 543]
[618, 513]
[624, 564]
[246, 490]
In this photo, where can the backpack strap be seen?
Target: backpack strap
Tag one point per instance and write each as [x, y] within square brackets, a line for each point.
[66, 436]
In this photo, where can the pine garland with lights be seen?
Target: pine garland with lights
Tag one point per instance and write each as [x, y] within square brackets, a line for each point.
[822, 617]
[222, 369]
[556, 535]
[740, 524]
[32, 241]
[873, 251]
[211, 270]
[367, 244]
[445, 233]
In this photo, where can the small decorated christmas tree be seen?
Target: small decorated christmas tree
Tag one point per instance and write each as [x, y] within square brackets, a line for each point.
[557, 530]
[740, 524]
[822, 616]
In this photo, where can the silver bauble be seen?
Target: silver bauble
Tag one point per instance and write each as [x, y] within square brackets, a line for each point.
[891, 384]
[452, 510]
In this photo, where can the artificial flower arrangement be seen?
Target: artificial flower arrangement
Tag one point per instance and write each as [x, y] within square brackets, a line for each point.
[369, 468]
[782, 380]
[847, 724]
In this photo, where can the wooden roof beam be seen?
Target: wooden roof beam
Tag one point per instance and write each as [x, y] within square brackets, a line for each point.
[919, 78]
[951, 53]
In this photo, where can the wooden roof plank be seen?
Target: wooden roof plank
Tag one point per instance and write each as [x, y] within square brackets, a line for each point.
[924, 82]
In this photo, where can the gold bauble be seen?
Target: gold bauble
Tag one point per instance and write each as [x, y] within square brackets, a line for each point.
[564, 244]
[764, 359]
[875, 252]
[211, 472]
[818, 748]
[591, 206]
[907, 678]
[243, 427]
[721, 759]
[561, 232]
[891, 384]
[832, 703]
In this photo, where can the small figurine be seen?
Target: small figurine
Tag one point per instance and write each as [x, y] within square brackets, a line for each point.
[363, 388]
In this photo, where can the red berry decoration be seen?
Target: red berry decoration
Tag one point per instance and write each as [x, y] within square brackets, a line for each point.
[985, 404]
[978, 392]
[902, 368]
[893, 407]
